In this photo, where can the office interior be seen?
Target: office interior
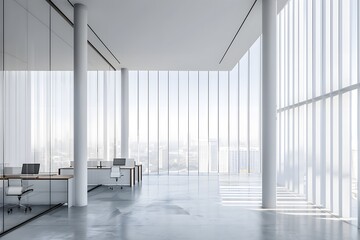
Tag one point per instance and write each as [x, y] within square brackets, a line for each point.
[286, 147]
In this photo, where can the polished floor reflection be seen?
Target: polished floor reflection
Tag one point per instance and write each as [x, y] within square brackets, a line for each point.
[18, 215]
[182, 207]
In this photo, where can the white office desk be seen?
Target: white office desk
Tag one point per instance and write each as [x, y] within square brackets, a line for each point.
[98, 176]
[60, 187]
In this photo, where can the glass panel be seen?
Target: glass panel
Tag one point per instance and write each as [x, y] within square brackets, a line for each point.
[318, 46]
[279, 57]
[302, 52]
[254, 106]
[62, 95]
[213, 121]
[286, 56]
[153, 122]
[143, 120]
[174, 166]
[109, 115]
[62, 119]
[234, 120]
[243, 109]
[291, 149]
[223, 122]
[346, 43]
[117, 76]
[203, 122]
[286, 148]
[27, 106]
[354, 153]
[335, 149]
[310, 159]
[184, 104]
[163, 122]
[291, 51]
[296, 150]
[100, 116]
[310, 47]
[346, 156]
[327, 40]
[317, 151]
[327, 154]
[335, 45]
[353, 39]
[193, 122]
[302, 150]
[282, 149]
[93, 114]
[133, 116]
[296, 50]
[62, 101]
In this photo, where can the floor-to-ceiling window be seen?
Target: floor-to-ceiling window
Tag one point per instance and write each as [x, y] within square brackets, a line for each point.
[197, 122]
[318, 86]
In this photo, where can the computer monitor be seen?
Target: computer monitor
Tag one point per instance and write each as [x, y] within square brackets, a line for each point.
[119, 162]
[30, 168]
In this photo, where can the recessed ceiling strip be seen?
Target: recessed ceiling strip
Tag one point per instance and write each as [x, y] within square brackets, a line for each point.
[238, 31]
[72, 24]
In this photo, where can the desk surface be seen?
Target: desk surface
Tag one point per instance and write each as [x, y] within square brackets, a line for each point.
[99, 168]
[36, 177]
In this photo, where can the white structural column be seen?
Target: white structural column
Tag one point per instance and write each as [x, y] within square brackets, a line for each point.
[358, 107]
[80, 104]
[269, 104]
[124, 112]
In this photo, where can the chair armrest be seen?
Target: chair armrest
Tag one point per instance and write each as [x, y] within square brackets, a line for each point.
[27, 191]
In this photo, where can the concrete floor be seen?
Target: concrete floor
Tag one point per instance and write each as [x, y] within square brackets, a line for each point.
[18, 215]
[181, 207]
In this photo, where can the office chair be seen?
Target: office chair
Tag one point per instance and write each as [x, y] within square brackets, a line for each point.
[18, 191]
[115, 172]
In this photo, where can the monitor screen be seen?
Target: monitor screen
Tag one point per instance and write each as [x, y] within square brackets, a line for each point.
[119, 162]
[30, 168]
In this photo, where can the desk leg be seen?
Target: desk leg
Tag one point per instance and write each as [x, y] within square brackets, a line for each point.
[131, 177]
[134, 176]
[141, 172]
[138, 169]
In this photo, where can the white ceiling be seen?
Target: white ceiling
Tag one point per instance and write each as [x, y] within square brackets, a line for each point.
[169, 34]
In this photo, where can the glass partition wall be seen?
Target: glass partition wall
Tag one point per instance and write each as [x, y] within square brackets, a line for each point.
[26, 66]
[37, 105]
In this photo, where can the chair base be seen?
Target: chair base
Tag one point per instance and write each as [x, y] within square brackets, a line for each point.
[112, 187]
[19, 206]
[117, 180]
